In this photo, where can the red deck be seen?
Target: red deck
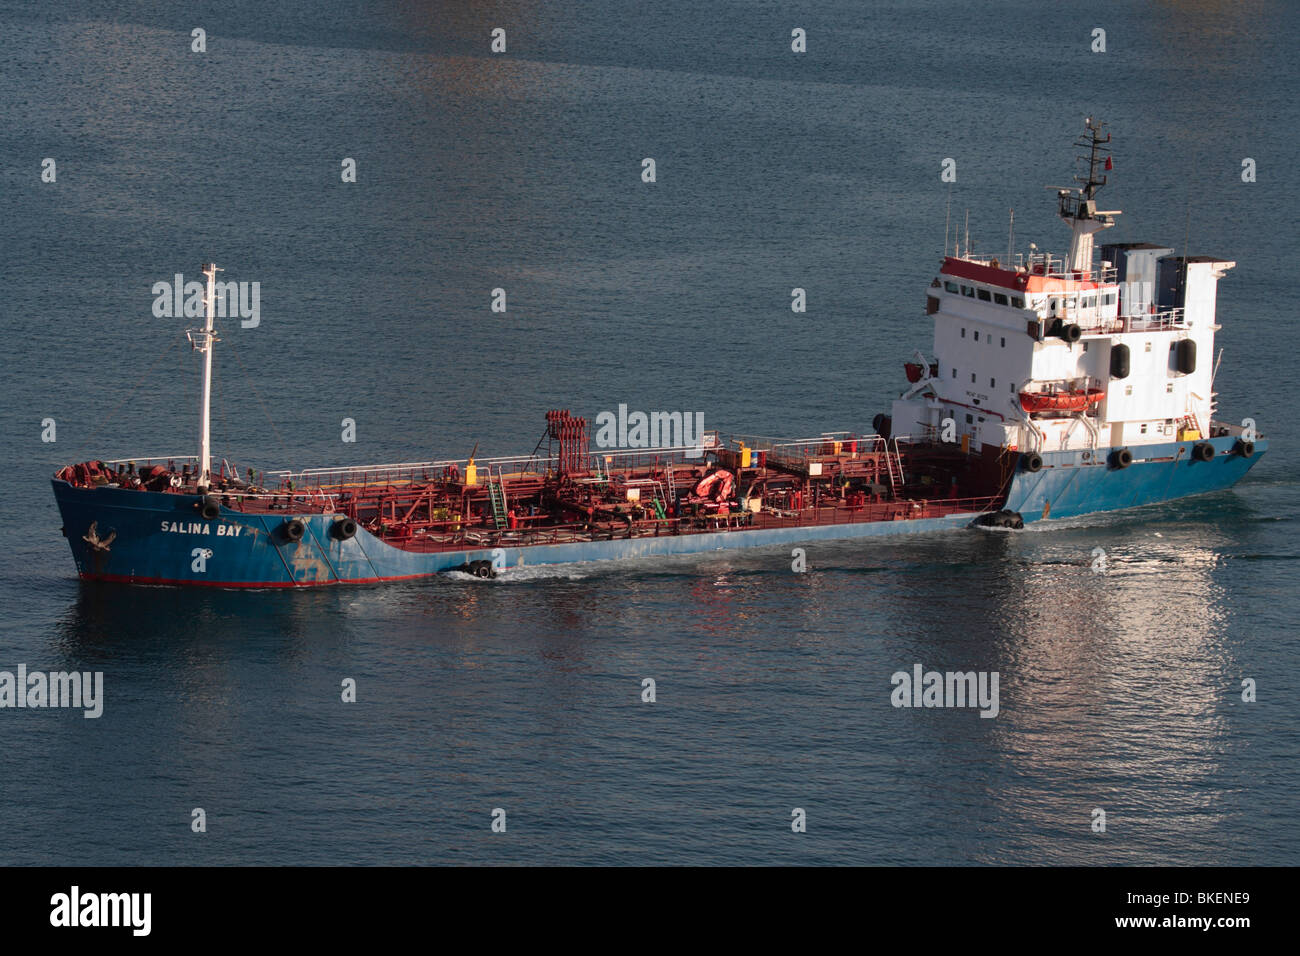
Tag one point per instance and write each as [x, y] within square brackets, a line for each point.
[570, 494]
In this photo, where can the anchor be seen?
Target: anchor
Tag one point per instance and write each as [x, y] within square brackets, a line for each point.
[91, 537]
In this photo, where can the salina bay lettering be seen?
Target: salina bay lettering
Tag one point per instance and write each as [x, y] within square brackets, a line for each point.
[200, 527]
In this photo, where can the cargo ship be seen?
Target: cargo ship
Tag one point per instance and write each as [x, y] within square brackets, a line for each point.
[1056, 387]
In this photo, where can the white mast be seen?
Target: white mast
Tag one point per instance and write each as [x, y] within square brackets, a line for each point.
[202, 340]
[1079, 208]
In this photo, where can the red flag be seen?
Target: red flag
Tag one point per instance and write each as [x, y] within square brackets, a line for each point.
[1109, 165]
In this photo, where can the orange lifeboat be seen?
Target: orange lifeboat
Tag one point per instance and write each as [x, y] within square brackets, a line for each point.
[1062, 400]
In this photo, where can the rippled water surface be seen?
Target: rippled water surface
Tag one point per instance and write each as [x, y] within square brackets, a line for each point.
[1119, 691]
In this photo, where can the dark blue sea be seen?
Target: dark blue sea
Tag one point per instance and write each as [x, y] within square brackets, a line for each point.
[1120, 691]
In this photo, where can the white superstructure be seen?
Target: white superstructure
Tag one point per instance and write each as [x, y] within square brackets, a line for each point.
[1043, 354]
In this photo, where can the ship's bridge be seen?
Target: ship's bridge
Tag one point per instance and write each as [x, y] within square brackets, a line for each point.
[1037, 288]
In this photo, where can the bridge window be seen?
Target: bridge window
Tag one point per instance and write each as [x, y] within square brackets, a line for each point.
[984, 295]
[950, 286]
[968, 292]
[1017, 302]
[993, 383]
[977, 335]
[1004, 341]
[963, 333]
[1108, 298]
[1142, 430]
[1013, 388]
[972, 378]
[970, 420]
[954, 373]
[999, 298]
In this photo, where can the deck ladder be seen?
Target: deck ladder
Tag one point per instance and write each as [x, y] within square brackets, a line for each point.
[894, 465]
[497, 496]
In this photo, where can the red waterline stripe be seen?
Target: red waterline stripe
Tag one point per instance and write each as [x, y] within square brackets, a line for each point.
[130, 579]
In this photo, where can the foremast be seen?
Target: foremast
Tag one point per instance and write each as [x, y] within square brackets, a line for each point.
[202, 340]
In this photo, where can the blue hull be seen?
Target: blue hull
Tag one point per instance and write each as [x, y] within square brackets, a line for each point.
[1069, 486]
[161, 539]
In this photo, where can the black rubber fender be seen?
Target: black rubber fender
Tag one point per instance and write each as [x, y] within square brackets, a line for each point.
[344, 529]
[1203, 451]
[1119, 361]
[294, 529]
[1031, 461]
[1245, 448]
[209, 508]
[1121, 459]
[1005, 518]
[1071, 333]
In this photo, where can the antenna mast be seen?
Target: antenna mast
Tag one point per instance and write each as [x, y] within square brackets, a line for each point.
[1078, 207]
[947, 218]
